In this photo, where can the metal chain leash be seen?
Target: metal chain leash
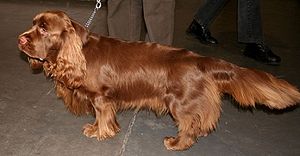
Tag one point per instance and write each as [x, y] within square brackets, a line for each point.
[97, 7]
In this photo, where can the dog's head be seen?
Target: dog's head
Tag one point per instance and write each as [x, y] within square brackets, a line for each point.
[53, 34]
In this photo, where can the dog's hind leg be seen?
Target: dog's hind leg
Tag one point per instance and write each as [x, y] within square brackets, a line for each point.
[195, 115]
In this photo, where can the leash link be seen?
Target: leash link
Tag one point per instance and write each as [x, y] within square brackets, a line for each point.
[97, 7]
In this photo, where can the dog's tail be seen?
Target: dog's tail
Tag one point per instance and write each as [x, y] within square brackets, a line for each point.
[249, 87]
[252, 86]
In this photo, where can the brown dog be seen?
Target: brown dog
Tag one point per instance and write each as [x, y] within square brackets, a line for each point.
[101, 75]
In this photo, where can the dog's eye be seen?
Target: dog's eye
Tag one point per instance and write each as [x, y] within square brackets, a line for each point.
[43, 30]
[42, 27]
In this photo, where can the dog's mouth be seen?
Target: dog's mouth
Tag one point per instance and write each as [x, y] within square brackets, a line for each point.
[38, 59]
[35, 63]
[33, 57]
[26, 50]
[25, 46]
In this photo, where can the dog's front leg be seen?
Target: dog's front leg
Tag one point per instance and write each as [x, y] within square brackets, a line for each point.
[105, 125]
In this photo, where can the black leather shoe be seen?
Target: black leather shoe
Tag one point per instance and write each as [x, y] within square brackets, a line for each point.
[261, 53]
[201, 33]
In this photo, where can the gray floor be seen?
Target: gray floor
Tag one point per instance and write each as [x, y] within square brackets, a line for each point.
[34, 122]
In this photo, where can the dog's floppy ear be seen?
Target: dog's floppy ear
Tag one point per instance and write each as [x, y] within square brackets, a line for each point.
[81, 31]
[70, 62]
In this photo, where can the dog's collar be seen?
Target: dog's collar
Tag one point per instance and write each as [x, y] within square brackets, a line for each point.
[42, 60]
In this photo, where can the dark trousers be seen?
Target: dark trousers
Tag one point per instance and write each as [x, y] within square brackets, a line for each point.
[249, 18]
[128, 19]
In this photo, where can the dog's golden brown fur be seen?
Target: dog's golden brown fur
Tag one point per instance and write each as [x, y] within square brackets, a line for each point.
[101, 76]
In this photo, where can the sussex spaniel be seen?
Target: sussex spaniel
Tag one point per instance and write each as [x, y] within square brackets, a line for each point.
[100, 75]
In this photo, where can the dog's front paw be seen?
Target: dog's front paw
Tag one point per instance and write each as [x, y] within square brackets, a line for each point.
[176, 144]
[169, 143]
[90, 130]
[107, 133]
[100, 133]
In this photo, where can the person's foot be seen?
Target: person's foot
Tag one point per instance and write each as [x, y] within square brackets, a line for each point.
[201, 33]
[261, 53]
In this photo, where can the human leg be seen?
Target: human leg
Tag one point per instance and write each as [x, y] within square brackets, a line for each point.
[124, 18]
[159, 20]
[204, 16]
[250, 32]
